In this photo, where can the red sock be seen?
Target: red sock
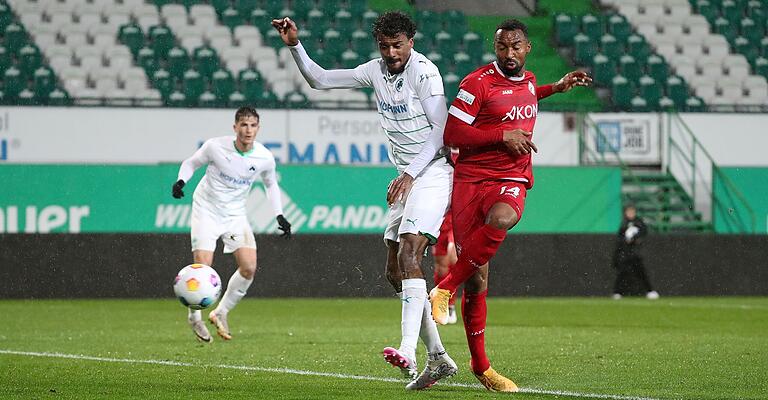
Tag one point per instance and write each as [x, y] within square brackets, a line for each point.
[439, 277]
[474, 312]
[475, 252]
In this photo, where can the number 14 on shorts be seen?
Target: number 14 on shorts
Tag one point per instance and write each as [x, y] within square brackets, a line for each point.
[513, 191]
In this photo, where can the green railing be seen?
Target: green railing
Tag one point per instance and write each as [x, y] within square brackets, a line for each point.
[688, 157]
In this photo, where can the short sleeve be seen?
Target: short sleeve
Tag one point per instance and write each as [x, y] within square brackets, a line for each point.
[467, 103]
[429, 82]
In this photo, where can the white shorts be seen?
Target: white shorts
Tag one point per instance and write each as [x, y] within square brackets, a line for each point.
[425, 207]
[234, 231]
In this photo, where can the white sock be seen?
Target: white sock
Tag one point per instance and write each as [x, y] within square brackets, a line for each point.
[194, 315]
[414, 294]
[429, 334]
[236, 290]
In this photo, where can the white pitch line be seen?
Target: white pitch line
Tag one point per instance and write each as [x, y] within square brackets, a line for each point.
[307, 373]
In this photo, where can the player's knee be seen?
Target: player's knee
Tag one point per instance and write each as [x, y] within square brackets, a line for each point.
[503, 219]
[248, 271]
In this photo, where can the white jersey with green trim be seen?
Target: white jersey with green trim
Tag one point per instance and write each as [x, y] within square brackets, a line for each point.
[398, 98]
[226, 184]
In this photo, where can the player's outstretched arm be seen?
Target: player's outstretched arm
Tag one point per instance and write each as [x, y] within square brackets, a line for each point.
[316, 76]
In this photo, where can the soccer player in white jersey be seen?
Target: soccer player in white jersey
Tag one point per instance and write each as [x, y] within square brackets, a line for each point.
[411, 104]
[218, 209]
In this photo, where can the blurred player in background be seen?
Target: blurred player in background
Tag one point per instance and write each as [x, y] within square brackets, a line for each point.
[411, 102]
[491, 122]
[218, 209]
[630, 271]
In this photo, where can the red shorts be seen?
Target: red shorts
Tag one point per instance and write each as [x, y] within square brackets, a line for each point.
[446, 236]
[471, 201]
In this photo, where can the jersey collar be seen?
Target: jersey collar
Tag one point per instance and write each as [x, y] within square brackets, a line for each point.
[511, 78]
[242, 153]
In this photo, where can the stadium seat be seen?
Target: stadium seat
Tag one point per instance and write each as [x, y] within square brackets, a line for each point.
[14, 38]
[677, 90]
[13, 83]
[585, 49]
[146, 59]
[630, 69]
[621, 91]
[603, 70]
[463, 64]
[611, 47]
[206, 62]
[296, 99]
[637, 46]
[194, 85]
[591, 27]
[350, 59]
[44, 82]
[650, 91]
[209, 100]
[223, 84]
[639, 104]
[178, 62]
[131, 36]
[29, 59]
[343, 23]
[163, 82]
[565, 29]
[657, 68]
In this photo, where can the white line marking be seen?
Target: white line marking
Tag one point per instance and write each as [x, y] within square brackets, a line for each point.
[306, 373]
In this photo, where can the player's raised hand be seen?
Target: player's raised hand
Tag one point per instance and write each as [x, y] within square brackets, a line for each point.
[288, 30]
[284, 226]
[399, 188]
[519, 142]
[176, 190]
[571, 79]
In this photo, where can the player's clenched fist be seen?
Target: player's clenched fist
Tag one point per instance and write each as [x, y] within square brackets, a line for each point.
[288, 30]
[176, 190]
[519, 142]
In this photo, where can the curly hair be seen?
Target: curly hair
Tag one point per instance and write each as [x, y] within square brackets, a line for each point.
[513, 25]
[393, 23]
[247, 111]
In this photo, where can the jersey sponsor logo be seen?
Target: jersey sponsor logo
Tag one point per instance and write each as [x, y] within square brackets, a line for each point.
[394, 109]
[508, 91]
[426, 76]
[234, 180]
[465, 96]
[522, 112]
[531, 88]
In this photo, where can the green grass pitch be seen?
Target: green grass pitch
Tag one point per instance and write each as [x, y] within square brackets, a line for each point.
[672, 348]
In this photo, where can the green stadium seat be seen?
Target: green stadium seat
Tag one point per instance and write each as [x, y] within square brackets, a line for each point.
[267, 99]
[638, 47]
[163, 82]
[131, 36]
[585, 49]
[619, 27]
[261, 20]
[761, 66]
[326, 59]
[13, 83]
[58, 97]
[611, 47]
[162, 40]
[29, 59]
[251, 83]
[621, 91]
[231, 18]
[730, 11]
[749, 30]
[444, 44]
[590, 26]
[308, 40]
[362, 43]
[650, 90]
[677, 90]
[178, 62]
[209, 100]
[666, 104]
[302, 8]
[763, 47]
[272, 39]
[244, 7]
[177, 99]
[223, 84]
[694, 104]
[357, 7]
[657, 68]
[14, 38]
[638, 104]
[296, 99]
[603, 70]
[706, 9]
[5, 59]
[350, 59]
[272, 7]
[426, 19]
[194, 85]
[44, 82]
[344, 23]
[455, 20]
[451, 83]
[757, 13]
[161, 3]
[6, 16]
[565, 29]
[26, 98]
[630, 69]
[743, 46]
[473, 45]
[725, 28]
[317, 21]
[368, 18]
[236, 100]
[147, 60]
[329, 7]
[442, 63]
[463, 64]
[206, 61]
[334, 44]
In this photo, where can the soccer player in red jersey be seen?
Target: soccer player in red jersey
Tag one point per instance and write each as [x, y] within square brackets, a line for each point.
[491, 122]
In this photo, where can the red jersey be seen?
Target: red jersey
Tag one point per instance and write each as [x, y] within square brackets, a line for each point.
[492, 102]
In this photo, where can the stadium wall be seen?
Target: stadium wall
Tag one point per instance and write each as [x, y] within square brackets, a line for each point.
[143, 265]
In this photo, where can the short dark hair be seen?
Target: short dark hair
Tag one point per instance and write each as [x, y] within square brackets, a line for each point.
[246, 111]
[513, 25]
[393, 23]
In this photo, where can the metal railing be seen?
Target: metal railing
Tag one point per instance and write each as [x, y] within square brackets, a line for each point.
[684, 162]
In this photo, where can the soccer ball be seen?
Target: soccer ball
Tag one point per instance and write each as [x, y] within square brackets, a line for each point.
[197, 286]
